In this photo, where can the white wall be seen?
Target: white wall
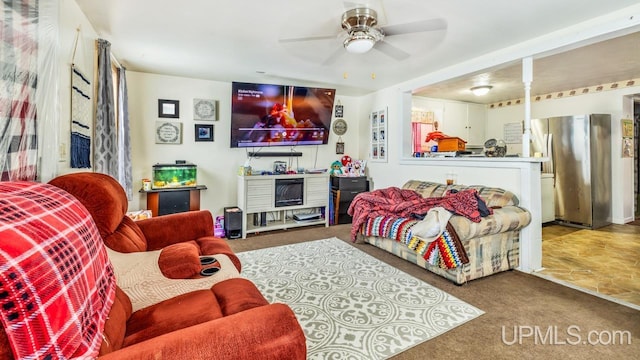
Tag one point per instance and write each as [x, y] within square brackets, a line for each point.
[614, 102]
[387, 173]
[397, 171]
[397, 98]
[217, 163]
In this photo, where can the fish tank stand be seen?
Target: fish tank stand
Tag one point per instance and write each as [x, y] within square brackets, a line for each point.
[173, 200]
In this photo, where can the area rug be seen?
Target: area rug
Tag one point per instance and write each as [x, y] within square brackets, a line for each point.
[349, 304]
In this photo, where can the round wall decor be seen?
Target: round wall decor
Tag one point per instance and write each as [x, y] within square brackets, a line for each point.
[339, 127]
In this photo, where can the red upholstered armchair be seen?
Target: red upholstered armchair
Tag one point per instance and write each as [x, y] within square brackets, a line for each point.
[183, 237]
[59, 298]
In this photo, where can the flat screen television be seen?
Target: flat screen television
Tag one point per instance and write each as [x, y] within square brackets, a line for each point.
[280, 115]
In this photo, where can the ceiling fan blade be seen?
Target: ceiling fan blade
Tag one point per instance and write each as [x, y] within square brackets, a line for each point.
[298, 80]
[308, 38]
[334, 56]
[416, 26]
[391, 50]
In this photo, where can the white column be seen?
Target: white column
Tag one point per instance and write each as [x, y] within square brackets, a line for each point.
[527, 77]
[531, 235]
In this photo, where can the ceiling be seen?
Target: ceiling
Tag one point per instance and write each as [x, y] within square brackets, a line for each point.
[241, 41]
[572, 69]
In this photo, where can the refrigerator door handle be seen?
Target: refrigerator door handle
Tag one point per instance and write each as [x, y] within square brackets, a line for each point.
[550, 149]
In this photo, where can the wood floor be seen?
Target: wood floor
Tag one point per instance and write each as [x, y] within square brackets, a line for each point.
[605, 261]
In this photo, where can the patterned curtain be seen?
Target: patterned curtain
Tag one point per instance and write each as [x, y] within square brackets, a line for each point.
[105, 153]
[124, 145]
[19, 69]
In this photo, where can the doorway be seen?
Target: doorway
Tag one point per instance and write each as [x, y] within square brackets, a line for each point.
[569, 256]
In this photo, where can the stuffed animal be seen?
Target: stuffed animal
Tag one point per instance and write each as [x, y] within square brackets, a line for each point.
[358, 167]
[336, 168]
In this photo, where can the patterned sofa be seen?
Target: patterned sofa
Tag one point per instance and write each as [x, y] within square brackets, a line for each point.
[491, 245]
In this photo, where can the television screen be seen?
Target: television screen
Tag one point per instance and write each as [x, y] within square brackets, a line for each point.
[279, 115]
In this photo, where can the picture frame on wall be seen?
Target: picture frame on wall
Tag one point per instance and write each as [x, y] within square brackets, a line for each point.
[378, 140]
[168, 108]
[627, 128]
[627, 147]
[203, 132]
[205, 109]
[168, 132]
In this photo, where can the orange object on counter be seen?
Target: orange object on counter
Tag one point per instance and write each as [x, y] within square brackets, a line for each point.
[451, 144]
[435, 135]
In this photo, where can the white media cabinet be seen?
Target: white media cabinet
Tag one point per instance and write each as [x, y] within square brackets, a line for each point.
[257, 195]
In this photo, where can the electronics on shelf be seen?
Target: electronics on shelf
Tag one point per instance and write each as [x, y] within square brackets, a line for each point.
[307, 217]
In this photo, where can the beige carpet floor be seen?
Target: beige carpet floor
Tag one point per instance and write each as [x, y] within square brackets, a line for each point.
[515, 304]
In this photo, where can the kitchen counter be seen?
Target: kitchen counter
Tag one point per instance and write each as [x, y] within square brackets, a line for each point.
[481, 161]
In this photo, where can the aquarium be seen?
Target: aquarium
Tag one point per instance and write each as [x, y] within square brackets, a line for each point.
[174, 176]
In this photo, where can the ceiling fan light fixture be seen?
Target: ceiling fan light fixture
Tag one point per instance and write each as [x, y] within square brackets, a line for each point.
[359, 42]
[481, 90]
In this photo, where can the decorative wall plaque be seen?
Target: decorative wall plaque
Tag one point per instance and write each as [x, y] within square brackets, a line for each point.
[205, 109]
[168, 132]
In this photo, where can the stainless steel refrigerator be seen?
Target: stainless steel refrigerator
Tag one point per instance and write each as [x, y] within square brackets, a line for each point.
[579, 149]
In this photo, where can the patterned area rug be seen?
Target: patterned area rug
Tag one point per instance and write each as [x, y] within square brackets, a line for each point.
[351, 305]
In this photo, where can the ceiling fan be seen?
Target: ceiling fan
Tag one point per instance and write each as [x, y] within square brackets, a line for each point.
[361, 33]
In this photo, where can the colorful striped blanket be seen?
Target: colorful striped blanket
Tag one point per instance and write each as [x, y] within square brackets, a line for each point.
[406, 203]
[445, 252]
[56, 283]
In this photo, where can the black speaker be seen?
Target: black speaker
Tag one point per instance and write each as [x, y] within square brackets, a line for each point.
[233, 222]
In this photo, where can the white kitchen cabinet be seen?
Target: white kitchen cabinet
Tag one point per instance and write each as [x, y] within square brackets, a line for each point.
[454, 120]
[466, 121]
[476, 125]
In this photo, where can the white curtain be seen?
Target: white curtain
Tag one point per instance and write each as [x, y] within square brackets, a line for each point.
[18, 111]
